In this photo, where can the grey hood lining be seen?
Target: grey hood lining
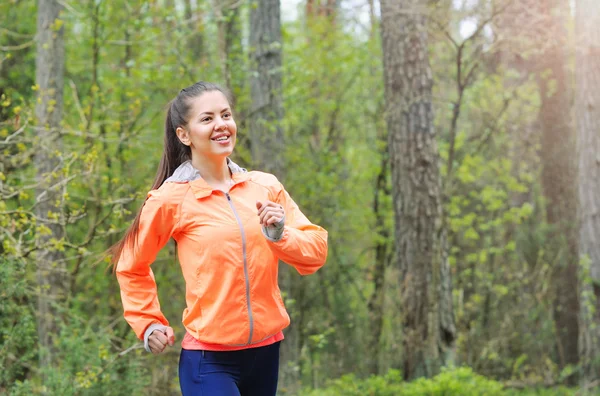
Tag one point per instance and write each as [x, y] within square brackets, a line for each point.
[187, 173]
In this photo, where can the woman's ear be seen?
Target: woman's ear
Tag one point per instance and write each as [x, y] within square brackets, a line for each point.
[183, 135]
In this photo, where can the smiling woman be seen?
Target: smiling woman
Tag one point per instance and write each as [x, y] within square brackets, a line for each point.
[211, 130]
[232, 227]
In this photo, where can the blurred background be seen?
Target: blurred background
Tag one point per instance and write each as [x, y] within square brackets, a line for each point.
[450, 148]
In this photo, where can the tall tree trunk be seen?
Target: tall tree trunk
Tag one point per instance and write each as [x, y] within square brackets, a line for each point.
[220, 8]
[51, 269]
[558, 152]
[383, 245]
[235, 52]
[230, 49]
[267, 143]
[266, 113]
[427, 317]
[587, 105]
[196, 40]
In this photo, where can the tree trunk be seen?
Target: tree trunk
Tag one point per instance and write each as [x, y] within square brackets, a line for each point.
[266, 112]
[427, 317]
[220, 7]
[230, 48]
[558, 152]
[267, 145]
[51, 269]
[195, 41]
[587, 105]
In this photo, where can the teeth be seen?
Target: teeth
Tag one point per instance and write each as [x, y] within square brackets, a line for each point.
[221, 138]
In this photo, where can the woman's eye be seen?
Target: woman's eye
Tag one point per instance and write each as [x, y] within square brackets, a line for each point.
[226, 115]
[206, 119]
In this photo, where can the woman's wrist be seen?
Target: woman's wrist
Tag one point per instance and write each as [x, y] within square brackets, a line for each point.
[274, 232]
[150, 330]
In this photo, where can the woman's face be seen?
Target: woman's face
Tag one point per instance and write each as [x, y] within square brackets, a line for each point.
[211, 130]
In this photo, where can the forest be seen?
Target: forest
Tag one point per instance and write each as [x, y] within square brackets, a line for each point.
[451, 149]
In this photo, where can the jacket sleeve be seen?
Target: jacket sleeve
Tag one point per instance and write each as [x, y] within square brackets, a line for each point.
[303, 245]
[138, 289]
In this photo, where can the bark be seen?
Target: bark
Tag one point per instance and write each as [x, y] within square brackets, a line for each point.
[267, 148]
[266, 113]
[196, 39]
[558, 152]
[230, 49]
[587, 105]
[427, 317]
[51, 271]
[219, 7]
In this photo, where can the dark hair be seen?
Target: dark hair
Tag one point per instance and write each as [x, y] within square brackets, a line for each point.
[174, 153]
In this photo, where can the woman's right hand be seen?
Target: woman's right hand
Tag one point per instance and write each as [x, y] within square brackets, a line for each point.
[158, 341]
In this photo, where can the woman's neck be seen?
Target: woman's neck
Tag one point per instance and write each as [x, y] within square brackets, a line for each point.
[214, 172]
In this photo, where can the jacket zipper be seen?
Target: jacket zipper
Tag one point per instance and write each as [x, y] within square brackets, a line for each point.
[246, 277]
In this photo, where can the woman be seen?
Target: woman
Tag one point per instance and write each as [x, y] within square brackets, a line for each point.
[231, 228]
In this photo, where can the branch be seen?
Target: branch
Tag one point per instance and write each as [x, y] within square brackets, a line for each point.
[17, 47]
[14, 134]
[77, 102]
[15, 34]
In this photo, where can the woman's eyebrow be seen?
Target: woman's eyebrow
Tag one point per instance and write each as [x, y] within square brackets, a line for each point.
[211, 113]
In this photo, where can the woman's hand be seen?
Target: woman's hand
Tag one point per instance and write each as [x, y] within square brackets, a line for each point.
[158, 341]
[269, 213]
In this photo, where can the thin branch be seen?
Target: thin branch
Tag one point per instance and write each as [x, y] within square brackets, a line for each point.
[70, 8]
[77, 102]
[15, 34]
[14, 134]
[17, 47]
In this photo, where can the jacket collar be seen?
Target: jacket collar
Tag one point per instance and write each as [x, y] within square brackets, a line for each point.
[186, 173]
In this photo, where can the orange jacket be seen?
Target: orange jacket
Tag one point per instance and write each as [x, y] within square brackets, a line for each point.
[229, 262]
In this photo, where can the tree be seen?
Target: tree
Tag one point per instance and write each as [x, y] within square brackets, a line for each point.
[196, 25]
[266, 112]
[587, 102]
[229, 37]
[416, 184]
[51, 267]
[266, 132]
[558, 153]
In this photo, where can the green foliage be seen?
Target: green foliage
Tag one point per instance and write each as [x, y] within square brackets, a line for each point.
[88, 365]
[452, 382]
[18, 337]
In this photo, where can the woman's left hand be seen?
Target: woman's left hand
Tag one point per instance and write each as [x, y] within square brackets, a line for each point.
[269, 212]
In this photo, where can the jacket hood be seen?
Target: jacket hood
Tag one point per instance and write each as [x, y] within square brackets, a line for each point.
[187, 173]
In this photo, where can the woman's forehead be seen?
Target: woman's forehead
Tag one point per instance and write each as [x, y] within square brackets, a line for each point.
[210, 102]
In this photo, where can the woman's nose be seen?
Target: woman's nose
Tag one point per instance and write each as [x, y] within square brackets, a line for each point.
[220, 124]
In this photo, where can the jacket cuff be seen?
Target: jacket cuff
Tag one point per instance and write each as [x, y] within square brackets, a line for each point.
[274, 232]
[150, 330]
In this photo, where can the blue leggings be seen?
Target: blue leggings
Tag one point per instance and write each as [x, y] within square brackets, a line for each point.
[251, 371]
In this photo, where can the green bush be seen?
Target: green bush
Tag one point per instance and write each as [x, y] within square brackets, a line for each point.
[459, 381]
[87, 364]
[454, 382]
[450, 382]
[349, 385]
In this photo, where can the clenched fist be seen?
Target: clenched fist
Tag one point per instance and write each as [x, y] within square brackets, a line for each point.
[158, 340]
[269, 213]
